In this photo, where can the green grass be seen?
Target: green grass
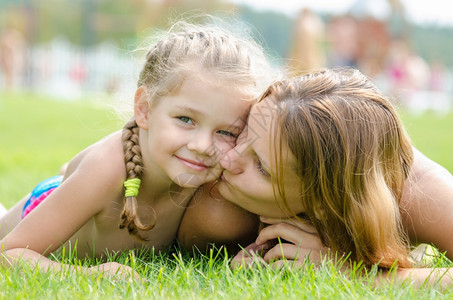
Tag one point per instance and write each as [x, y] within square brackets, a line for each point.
[432, 134]
[38, 135]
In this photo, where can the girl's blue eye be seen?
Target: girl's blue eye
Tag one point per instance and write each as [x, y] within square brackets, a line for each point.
[185, 119]
[227, 133]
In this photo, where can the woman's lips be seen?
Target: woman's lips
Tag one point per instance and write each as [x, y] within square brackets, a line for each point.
[222, 176]
[194, 165]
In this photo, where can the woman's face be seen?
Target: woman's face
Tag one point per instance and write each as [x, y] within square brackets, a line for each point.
[247, 178]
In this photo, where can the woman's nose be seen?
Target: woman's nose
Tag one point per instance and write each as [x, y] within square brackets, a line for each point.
[233, 160]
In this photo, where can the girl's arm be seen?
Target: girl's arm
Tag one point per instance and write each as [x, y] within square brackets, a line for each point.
[13, 257]
[427, 204]
[80, 197]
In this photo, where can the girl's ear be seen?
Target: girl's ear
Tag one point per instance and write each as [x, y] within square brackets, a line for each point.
[141, 107]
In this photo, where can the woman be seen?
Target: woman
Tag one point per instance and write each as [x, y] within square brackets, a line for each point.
[327, 149]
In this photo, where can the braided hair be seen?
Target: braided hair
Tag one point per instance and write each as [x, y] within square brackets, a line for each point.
[134, 170]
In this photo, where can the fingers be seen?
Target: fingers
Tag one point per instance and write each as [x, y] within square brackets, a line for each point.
[290, 233]
[249, 255]
[280, 263]
[252, 249]
[300, 223]
[277, 256]
[286, 251]
[299, 243]
[246, 261]
[255, 248]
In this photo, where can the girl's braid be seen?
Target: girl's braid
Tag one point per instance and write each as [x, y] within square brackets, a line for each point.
[134, 169]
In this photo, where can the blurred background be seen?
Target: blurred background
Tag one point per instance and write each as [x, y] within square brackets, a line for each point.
[68, 49]
[65, 64]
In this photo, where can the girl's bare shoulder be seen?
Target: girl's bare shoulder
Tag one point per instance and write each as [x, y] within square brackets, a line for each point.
[101, 165]
[104, 156]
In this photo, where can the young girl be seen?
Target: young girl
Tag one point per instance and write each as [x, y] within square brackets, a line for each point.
[131, 188]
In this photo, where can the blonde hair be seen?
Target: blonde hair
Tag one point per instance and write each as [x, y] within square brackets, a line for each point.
[352, 156]
[208, 51]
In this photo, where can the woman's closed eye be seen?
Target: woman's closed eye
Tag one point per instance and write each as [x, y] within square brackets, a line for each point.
[227, 134]
[185, 119]
[260, 167]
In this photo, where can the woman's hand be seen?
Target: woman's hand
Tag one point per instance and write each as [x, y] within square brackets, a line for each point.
[298, 241]
[250, 255]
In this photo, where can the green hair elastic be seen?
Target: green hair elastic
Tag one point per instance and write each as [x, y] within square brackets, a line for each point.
[132, 185]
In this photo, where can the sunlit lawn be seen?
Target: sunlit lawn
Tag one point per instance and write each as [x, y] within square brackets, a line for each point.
[38, 135]
[432, 134]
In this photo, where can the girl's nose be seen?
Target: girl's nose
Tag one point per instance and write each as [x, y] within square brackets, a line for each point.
[202, 142]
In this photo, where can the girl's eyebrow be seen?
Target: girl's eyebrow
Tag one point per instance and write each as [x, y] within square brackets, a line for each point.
[189, 109]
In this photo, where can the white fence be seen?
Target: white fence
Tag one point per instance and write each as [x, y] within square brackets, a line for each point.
[64, 70]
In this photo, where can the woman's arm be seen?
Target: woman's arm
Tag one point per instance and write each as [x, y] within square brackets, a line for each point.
[437, 277]
[427, 204]
[211, 219]
[298, 241]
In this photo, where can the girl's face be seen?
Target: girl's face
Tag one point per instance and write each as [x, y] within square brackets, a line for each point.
[188, 131]
[247, 178]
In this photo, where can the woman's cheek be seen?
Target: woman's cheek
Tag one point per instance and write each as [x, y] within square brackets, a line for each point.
[224, 145]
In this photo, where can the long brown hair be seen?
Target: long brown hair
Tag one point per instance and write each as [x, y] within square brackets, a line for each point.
[352, 156]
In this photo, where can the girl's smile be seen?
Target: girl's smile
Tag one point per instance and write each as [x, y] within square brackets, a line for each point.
[186, 132]
[194, 165]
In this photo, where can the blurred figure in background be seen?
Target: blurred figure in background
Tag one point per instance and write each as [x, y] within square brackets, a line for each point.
[307, 52]
[420, 86]
[342, 36]
[12, 57]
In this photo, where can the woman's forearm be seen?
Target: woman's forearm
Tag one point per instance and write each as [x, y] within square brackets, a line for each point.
[437, 277]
